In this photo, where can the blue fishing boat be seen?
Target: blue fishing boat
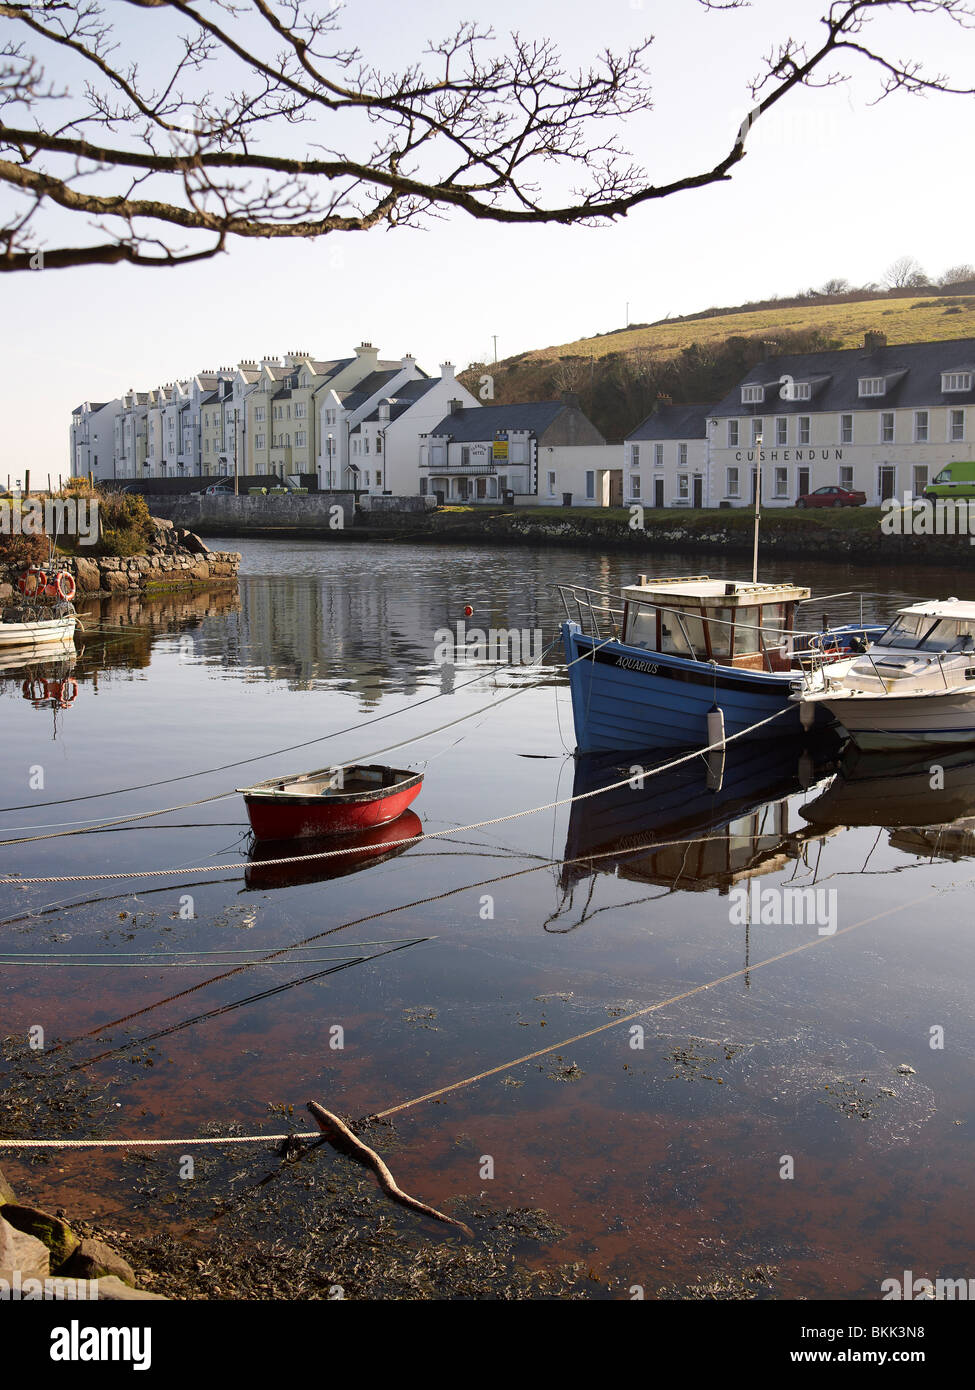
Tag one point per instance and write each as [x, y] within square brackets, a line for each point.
[645, 671]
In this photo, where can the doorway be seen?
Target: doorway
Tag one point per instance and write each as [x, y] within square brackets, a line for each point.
[698, 490]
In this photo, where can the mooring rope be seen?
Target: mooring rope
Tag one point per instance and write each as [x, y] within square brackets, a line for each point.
[292, 748]
[489, 1071]
[15, 880]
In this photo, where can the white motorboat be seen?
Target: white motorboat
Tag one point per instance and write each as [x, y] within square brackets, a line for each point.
[915, 684]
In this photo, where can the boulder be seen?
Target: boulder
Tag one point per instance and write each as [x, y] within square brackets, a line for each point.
[54, 1233]
[93, 1259]
[87, 575]
[21, 1253]
[6, 1191]
[160, 523]
[193, 543]
[115, 580]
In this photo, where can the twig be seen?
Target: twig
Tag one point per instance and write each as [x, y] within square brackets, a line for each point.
[341, 1137]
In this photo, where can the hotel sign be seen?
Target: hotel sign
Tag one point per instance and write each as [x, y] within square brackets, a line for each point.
[499, 449]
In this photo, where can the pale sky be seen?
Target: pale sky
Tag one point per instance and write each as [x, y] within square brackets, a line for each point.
[831, 186]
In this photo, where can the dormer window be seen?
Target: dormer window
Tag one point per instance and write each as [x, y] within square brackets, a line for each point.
[796, 391]
[956, 381]
[752, 395]
[873, 385]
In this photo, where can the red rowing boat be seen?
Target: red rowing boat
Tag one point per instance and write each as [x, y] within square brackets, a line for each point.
[361, 849]
[331, 801]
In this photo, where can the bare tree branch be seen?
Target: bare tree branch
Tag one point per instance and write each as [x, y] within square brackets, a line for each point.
[306, 137]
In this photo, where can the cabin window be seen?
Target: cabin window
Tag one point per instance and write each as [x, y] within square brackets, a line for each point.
[746, 631]
[676, 629]
[719, 624]
[642, 627]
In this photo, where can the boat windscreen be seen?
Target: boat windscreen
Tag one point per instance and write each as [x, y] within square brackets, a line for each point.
[920, 632]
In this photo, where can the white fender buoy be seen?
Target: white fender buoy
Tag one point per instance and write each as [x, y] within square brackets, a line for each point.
[807, 714]
[716, 726]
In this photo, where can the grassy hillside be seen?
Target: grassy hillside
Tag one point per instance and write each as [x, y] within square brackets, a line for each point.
[620, 376]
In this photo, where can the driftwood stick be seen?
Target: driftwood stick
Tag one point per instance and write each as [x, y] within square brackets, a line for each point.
[341, 1137]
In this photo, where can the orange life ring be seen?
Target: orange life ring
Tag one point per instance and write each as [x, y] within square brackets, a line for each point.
[32, 582]
[65, 586]
[67, 692]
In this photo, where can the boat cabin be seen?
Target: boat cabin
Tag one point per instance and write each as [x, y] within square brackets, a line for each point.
[730, 621]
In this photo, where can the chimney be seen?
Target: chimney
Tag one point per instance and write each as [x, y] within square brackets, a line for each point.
[873, 342]
[447, 371]
[663, 400]
[570, 398]
[408, 362]
[368, 356]
[455, 407]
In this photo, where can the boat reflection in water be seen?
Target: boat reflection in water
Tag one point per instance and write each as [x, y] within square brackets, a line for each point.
[360, 850]
[927, 804]
[704, 825]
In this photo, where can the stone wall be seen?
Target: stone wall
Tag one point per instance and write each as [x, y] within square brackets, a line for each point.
[174, 558]
[319, 513]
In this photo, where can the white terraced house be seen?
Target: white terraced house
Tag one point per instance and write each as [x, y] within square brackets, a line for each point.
[93, 438]
[386, 443]
[879, 419]
[665, 459]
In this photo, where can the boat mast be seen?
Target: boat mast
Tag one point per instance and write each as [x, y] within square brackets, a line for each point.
[758, 504]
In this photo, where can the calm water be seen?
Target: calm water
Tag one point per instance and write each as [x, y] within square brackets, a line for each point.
[663, 1163]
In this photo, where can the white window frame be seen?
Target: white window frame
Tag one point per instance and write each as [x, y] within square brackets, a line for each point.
[955, 381]
[758, 428]
[683, 486]
[846, 478]
[552, 482]
[590, 485]
[780, 485]
[781, 430]
[872, 386]
[734, 434]
[956, 424]
[635, 486]
[846, 429]
[922, 427]
[733, 482]
[752, 394]
[681, 455]
[885, 416]
[804, 429]
[658, 456]
[634, 456]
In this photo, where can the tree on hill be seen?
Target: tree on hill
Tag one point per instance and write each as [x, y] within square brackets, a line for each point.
[258, 122]
[905, 274]
[957, 275]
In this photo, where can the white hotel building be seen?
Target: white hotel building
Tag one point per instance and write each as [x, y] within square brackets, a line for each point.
[879, 419]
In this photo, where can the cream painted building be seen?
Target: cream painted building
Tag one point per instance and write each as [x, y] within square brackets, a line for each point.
[879, 419]
[92, 440]
[666, 458]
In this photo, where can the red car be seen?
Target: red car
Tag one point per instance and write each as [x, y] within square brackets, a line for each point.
[832, 497]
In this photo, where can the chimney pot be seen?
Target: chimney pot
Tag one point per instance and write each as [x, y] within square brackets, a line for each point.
[455, 407]
[874, 340]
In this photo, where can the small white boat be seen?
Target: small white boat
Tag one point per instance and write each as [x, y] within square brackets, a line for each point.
[914, 685]
[38, 633]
